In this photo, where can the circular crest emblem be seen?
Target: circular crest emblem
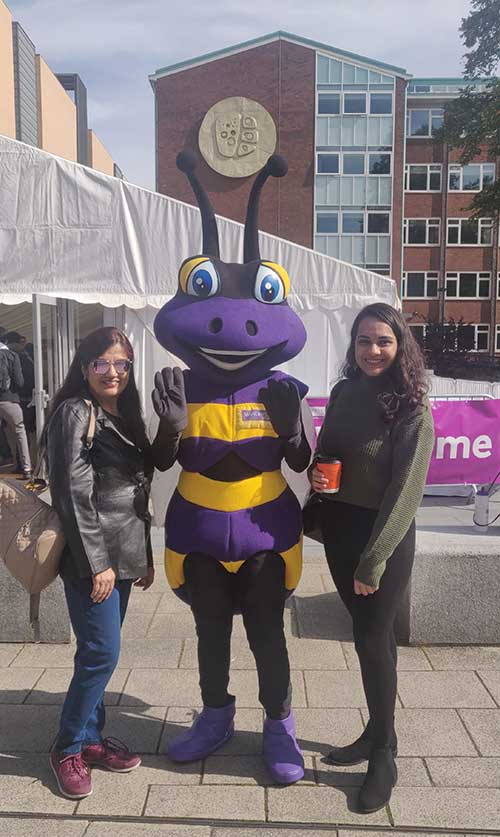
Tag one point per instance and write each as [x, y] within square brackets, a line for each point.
[237, 137]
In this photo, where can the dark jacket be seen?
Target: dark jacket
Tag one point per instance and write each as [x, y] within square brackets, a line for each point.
[101, 495]
[16, 376]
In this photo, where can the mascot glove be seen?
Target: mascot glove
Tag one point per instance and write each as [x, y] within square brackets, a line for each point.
[282, 402]
[169, 399]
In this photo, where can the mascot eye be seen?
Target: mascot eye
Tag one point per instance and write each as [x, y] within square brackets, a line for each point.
[203, 281]
[269, 286]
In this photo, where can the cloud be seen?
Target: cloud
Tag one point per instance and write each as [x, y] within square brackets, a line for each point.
[115, 44]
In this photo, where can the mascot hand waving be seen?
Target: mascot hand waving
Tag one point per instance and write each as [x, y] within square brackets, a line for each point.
[233, 526]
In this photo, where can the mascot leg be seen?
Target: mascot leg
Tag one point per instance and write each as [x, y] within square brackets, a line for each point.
[211, 595]
[262, 595]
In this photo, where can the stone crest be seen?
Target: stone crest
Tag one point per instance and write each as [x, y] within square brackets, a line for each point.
[237, 136]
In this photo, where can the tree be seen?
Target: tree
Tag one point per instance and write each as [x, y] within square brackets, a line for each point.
[473, 119]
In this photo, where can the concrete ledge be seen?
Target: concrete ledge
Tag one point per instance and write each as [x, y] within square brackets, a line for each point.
[14, 612]
[453, 597]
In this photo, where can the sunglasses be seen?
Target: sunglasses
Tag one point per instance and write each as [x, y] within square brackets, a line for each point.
[101, 366]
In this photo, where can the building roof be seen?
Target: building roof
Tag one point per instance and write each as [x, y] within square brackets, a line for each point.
[265, 39]
[461, 82]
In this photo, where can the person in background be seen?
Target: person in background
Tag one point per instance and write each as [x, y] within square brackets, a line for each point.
[101, 495]
[11, 383]
[379, 424]
[17, 343]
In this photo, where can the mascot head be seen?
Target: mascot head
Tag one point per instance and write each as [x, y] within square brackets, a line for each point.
[230, 323]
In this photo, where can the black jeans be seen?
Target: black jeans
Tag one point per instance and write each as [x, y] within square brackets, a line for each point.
[258, 591]
[346, 531]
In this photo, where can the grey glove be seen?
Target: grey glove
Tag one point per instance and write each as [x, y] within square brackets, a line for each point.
[169, 399]
[282, 402]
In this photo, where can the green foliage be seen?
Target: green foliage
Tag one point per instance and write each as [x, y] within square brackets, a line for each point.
[480, 33]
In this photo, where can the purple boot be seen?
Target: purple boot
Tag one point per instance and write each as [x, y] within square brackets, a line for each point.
[281, 751]
[210, 730]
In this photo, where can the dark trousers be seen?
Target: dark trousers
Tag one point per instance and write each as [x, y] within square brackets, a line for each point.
[258, 591]
[97, 629]
[346, 531]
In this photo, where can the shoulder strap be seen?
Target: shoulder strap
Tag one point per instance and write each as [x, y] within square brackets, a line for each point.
[89, 441]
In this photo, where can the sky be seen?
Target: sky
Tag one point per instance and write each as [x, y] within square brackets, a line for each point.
[115, 44]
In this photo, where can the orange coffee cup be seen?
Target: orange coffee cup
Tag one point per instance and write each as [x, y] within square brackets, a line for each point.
[332, 470]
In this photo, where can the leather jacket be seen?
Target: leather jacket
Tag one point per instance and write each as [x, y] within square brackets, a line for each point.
[101, 494]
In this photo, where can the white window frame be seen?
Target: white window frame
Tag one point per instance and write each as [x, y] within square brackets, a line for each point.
[429, 112]
[453, 168]
[378, 154]
[357, 154]
[377, 212]
[481, 276]
[356, 113]
[497, 338]
[327, 212]
[428, 276]
[482, 223]
[419, 326]
[428, 166]
[429, 222]
[381, 93]
[340, 221]
[328, 154]
[329, 93]
[479, 328]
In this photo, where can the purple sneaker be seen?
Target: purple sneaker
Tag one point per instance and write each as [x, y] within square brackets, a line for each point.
[72, 775]
[111, 754]
[211, 729]
[281, 752]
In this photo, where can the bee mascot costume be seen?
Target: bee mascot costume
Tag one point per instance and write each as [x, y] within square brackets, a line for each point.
[233, 525]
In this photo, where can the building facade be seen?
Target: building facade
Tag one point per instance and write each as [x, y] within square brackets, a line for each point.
[367, 182]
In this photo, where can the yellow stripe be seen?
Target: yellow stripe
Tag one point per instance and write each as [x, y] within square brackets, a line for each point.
[174, 566]
[231, 496]
[227, 422]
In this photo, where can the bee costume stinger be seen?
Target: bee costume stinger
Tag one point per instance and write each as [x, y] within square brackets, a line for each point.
[233, 526]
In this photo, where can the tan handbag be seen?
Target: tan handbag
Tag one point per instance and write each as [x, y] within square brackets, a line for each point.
[31, 536]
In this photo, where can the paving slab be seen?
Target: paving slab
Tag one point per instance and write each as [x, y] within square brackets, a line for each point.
[136, 625]
[334, 688]
[344, 832]
[463, 658]
[434, 732]
[27, 784]
[150, 653]
[140, 603]
[17, 683]
[207, 802]
[247, 739]
[273, 832]
[441, 689]
[9, 652]
[323, 617]
[319, 729]
[125, 794]
[148, 829]
[52, 686]
[31, 827]
[180, 625]
[484, 727]
[170, 603]
[317, 654]
[409, 659]
[181, 687]
[460, 808]
[28, 729]
[246, 770]
[465, 772]
[38, 655]
[319, 805]
[411, 773]
[140, 728]
[491, 679]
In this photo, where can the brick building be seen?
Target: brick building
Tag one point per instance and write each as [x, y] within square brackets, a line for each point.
[367, 183]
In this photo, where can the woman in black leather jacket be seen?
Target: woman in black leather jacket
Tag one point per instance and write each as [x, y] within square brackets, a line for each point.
[101, 493]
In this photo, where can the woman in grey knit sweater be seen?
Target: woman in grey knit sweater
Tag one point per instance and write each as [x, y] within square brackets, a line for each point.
[379, 424]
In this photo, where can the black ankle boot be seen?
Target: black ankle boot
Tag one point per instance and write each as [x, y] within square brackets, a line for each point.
[380, 779]
[360, 750]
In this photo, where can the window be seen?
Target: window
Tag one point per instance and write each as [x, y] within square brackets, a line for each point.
[472, 178]
[468, 285]
[379, 163]
[380, 103]
[378, 223]
[421, 230]
[481, 337]
[471, 337]
[353, 222]
[497, 338]
[327, 222]
[470, 232]
[354, 102]
[423, 178]
[328, 163]
[420, 285]
[353, 164]
[418, 332]
[424, 122]
[329, 103]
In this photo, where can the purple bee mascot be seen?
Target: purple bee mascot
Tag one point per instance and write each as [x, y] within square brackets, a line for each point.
[233, 525]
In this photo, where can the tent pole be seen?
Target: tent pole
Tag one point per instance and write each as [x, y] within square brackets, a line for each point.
[39, 395]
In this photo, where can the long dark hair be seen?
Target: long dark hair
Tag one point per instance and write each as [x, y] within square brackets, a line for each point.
[406, 377]
[92, 347]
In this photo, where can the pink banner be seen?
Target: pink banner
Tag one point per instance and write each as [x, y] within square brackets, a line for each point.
[467, 447]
